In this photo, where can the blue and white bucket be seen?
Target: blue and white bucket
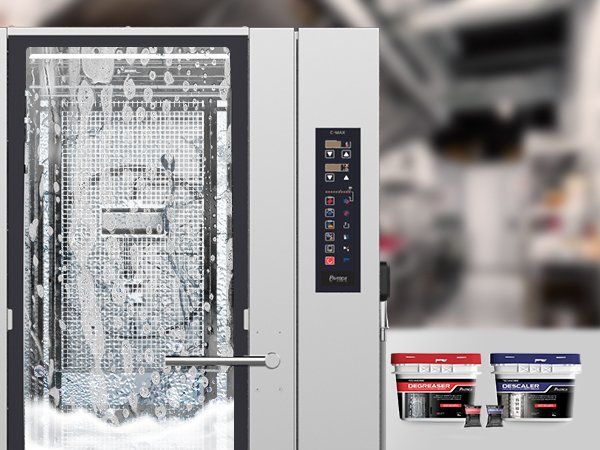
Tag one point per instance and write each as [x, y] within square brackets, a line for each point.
[536, 386]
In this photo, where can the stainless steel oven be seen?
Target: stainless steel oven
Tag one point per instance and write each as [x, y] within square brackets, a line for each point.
[191, 256]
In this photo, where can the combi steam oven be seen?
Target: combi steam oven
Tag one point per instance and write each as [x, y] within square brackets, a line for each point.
[189, 246]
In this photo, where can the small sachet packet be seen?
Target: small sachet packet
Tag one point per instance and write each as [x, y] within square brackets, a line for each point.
[473, 416]
[494, 416]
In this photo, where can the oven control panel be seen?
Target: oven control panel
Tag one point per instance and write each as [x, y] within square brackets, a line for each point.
[337, 220]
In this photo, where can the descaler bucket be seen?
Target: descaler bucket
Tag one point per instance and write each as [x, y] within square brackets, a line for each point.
[435, 386]
[536, 386]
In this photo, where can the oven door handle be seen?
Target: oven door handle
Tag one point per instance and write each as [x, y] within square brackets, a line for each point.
[270, 361]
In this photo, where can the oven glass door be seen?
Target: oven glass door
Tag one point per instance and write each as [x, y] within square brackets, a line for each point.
[127, 247]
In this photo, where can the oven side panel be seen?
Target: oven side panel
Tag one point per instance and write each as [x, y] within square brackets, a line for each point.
[272, 236]
[338, 295]
[3, 231]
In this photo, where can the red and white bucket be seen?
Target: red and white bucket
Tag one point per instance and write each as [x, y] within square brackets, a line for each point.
[435, 386]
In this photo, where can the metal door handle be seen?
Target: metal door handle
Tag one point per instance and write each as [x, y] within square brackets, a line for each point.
[270, 360]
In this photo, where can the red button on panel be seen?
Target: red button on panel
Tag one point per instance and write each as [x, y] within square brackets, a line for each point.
[330, 260]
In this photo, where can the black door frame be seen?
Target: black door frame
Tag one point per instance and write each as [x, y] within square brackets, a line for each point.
[16, 80]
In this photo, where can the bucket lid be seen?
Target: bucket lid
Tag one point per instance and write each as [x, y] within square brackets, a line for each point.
[535, 358]
[436, 358]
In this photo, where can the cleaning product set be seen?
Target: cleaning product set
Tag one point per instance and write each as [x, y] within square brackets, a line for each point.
[530, 386]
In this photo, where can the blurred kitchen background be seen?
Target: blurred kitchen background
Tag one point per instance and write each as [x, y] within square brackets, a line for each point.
[490, 132]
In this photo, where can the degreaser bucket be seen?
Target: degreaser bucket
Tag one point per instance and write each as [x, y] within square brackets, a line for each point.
[435, 386]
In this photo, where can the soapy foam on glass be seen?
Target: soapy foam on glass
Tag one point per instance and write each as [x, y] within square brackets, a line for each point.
[48, 428]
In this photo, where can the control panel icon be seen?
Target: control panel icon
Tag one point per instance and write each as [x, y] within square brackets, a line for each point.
[346, 154]
[329, 200]
[329, 212]
[329, 154]
[330, 248]
[330, 225]
[330, 260]
[329, 237]
[330, 177]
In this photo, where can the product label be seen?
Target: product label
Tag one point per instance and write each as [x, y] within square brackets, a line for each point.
[435, 398]
[534, 385]
[433, 386]
[536, 399]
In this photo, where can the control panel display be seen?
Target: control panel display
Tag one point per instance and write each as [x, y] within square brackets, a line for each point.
[337, 221]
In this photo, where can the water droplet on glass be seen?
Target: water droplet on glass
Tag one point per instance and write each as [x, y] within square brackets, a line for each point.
[177, 347]
[129, 88]
[140, 114]
[33, 229]
[149, 355]
[127, 113]
[160, 411]
[54, 394]
[148, 94]
[131, 51]
[85, 98]
[98, 70]
[39, 371]
[144, 392]
[144, 60]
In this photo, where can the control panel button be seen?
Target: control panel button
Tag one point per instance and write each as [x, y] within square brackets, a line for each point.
[329, 154]
[346, 154]
[329, 200]
[330, 177]
[329, 237]
[330, 260]
[329, 212]
[330, 248]
[330, 224]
